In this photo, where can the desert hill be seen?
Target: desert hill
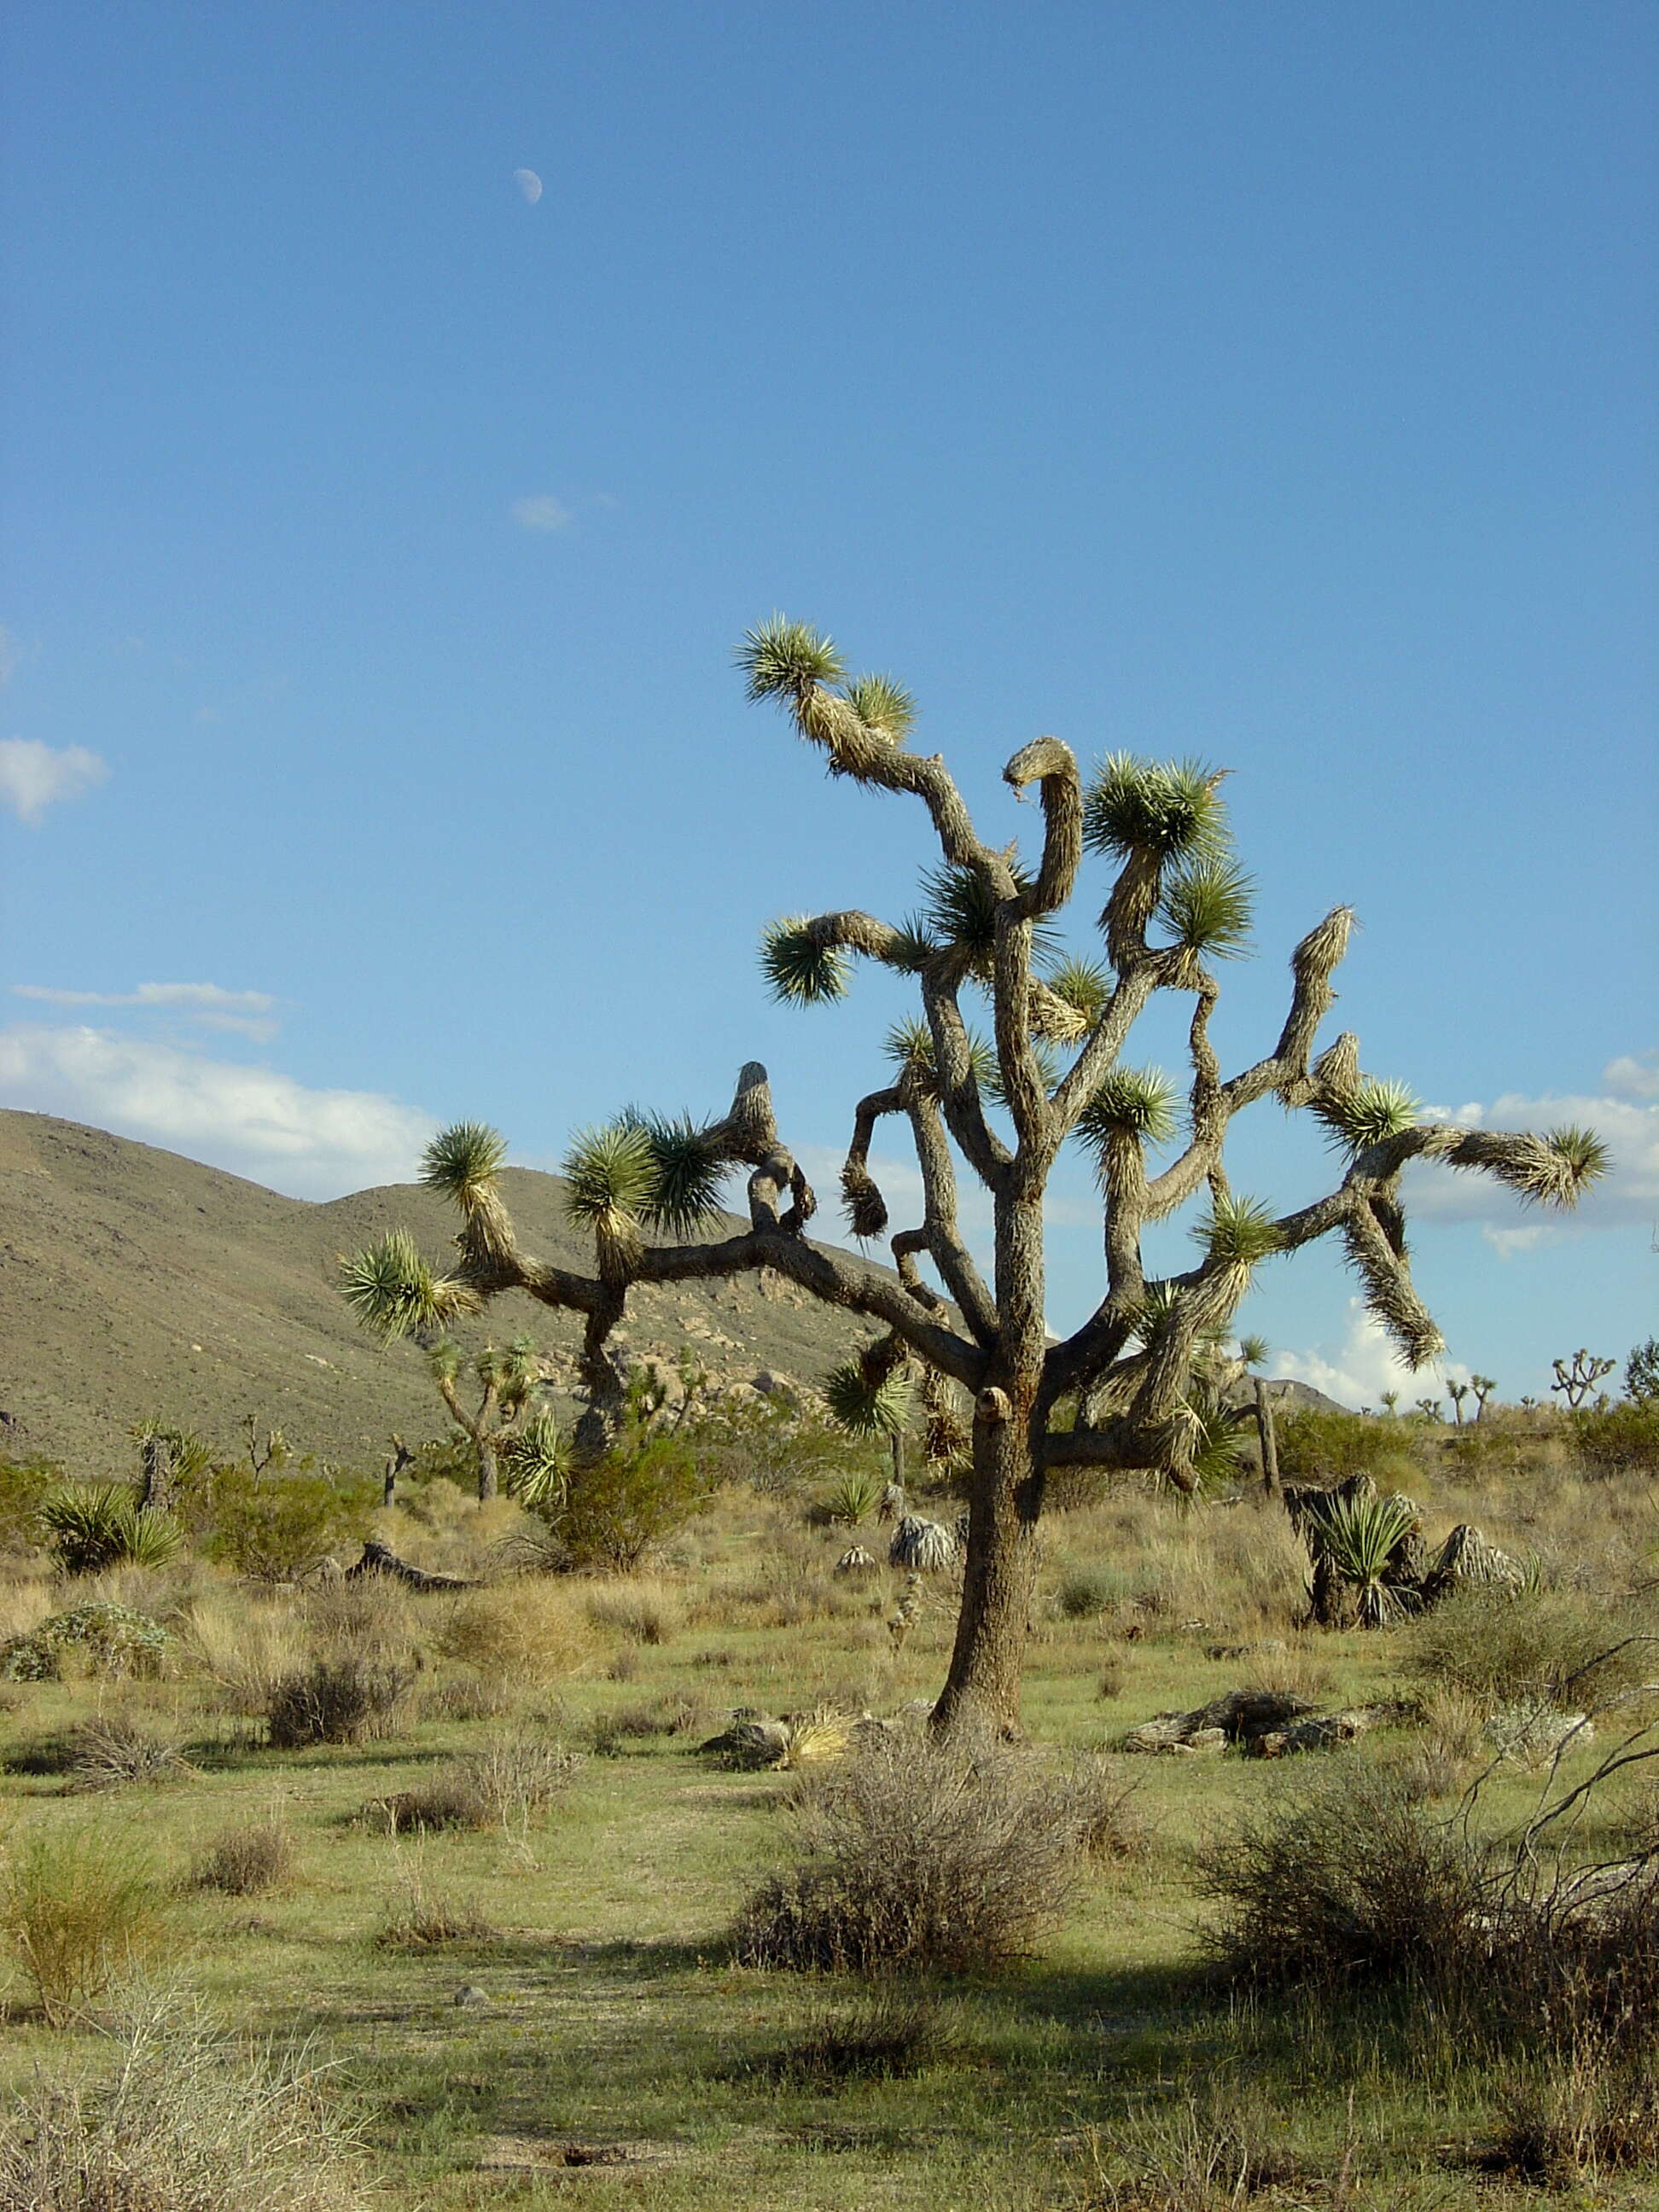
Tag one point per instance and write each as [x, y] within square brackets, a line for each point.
[133, 1281]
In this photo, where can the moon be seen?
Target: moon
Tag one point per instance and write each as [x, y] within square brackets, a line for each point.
[529, 184]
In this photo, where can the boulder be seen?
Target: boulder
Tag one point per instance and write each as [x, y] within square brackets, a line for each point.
[750, 1743]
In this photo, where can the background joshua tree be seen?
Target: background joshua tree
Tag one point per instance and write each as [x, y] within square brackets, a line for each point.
[1577, 1379]
[1483, 1386]
[1458, 1392]
[506, 1380]
[1115, 1392]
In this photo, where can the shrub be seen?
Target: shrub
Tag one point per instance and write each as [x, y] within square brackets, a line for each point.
[613, 1510]
[424, 1921]
[888, 2034]
[276, 1528]
[1621, 1439]
[341, 1700]
[515, 1778]
[1540, 1646]
[245, 1645]
[921, 1855]
[1327, 1447]
[1359, 1543]
[1348, 1882]
[185, 2122]
[90, 1529]
[112, 1639]
[1085, 1593]
[1561, 2122]
[644, 1612]
[114, 1749]
[528, 1630]
[23, 1486]
[1642, 1372]
[79, 1910]
[247, 1860]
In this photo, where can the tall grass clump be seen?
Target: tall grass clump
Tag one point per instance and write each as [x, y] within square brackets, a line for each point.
[345, 1700]
[927, 1855]
[1553, 1647]
[79, 1909]
[185, 2120]
[529, 1629]
[1348, 1882]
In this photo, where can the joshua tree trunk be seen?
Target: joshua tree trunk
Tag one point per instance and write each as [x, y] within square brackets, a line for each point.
[1264, 1425]
[1114, 1394]
[157, 1460]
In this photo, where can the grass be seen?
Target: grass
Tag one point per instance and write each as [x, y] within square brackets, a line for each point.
[618, 2034]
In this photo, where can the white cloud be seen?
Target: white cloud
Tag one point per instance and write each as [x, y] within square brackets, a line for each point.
[1364, 1365]
[253, 1120]
[1628, 1192]
[1634, 1075]
[32, 775]
[200, 997]
[543, 513]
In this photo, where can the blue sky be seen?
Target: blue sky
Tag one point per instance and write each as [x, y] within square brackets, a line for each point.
[1275, 385]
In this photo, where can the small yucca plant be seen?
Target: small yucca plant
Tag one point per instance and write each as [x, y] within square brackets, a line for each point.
[867, 1405]
[854, 1499]
[92, 1529]
[1359, 1540]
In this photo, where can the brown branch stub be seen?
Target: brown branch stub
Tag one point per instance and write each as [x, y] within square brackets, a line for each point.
[993, 1408]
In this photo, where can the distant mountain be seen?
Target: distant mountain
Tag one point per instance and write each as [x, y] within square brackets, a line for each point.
[133, 1281]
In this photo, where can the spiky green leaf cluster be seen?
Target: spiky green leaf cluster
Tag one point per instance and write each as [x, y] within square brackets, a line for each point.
[883, 706]
[909, 1045]
[1360, 1540]
[514, 1371]
[799, 970]
[1240, 1231]
[688, 1174]
[1583, 1156]
[393, 1292]
[536, 1464]
[960, 909]
[92, 1528]
[462, 1161]
[1207, 906]
[1155, 1309]
[1253, 1351]
[1164, 807]
[1129, 1102]
[867, 1407]
[783, 660]
[1084, 985]
[1369, 1112]
[610, 1176]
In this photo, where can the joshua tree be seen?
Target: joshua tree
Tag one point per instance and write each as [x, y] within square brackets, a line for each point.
[1391, 1401]
[1113, 1392]
[1483, 1386]
[1577, 1381]
[506, 1380]
[1642, 1372]
[1458, 1392]
[1430, 1409]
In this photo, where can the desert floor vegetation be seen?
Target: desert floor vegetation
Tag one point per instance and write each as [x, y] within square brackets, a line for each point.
[461, 1889]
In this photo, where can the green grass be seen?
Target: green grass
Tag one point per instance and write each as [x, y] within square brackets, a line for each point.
[615, 2022]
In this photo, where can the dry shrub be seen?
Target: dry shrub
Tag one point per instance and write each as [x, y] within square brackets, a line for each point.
[928, 1856]
[508, 1783]
[374, 1617]
[1110, 1827]
[644, 1612]
[247, 1860]
[1546, 1646]
[1348, 1880]
[1217, 2155]
[24, 1604]
[114, 1749]
[467, 1696]
[187, 2121]
[643, 1723]
[345, 1700]
[529, 1629]
[1561, 2123]
[244, 1644]
[889, 2034]
[423, 1921]
[79, 1908]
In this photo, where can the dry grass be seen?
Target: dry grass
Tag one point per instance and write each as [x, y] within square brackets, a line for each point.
[918, 1855]
[423, 1920]
[532, 1629]
[643, 1609]
[187, 2121]
[248, 1860]
[349, 1699]
[507, 1784]
[245, 1642]
[112, 1750]
[78, 1911]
